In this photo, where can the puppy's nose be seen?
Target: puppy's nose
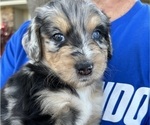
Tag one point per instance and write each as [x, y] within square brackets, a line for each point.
[84, 68]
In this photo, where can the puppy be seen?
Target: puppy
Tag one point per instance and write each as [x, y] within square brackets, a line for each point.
[68, 45]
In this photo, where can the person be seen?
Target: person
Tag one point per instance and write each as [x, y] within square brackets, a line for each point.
[126, 80]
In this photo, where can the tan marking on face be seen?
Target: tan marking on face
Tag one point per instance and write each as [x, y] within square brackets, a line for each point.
[62, 63]
[61, 23]
[99, 59]
[93, 21]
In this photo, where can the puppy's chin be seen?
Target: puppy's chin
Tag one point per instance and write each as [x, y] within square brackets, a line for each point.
[84, 81]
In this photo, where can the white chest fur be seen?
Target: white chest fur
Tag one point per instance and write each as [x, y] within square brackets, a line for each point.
[90, 107]
[59, 103]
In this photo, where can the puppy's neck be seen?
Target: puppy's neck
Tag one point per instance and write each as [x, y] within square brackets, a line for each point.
[115, 8]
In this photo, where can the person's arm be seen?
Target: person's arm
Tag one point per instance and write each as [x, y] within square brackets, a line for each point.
[14, 56]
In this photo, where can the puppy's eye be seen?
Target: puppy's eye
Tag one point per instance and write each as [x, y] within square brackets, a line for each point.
[96, 35]
[59, 37]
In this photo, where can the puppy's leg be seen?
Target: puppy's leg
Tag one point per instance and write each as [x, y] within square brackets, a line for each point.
[8, 103]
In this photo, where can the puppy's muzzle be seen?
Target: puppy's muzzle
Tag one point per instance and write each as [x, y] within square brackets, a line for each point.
[84, 68]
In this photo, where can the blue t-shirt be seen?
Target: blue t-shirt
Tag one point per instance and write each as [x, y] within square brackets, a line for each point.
[127, 78]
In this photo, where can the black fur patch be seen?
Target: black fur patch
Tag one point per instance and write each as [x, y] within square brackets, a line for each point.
[30, 80]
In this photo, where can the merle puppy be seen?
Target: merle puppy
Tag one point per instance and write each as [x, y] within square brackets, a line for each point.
[68, 45]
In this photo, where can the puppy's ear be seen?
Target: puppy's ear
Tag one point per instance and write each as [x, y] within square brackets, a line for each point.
[109, 47]
[32, 41]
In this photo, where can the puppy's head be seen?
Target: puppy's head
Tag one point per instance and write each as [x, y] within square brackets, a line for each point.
[72, 38]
